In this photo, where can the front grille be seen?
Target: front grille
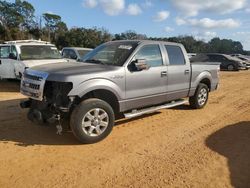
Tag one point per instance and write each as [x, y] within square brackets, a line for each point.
[32, 84]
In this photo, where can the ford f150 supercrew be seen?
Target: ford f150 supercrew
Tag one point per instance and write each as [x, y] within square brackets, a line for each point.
[117, 79]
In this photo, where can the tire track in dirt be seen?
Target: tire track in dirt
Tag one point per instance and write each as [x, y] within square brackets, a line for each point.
[160, 150]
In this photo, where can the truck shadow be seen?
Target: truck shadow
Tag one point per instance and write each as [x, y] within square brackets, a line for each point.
[15, 127]
[233, 142]
[9, 85]
[183, 107]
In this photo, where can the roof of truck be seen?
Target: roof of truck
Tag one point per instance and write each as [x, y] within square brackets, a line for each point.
[148, 41]
[77, 48]
[27, 42]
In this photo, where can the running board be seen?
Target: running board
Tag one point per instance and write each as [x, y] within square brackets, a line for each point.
[136, 113]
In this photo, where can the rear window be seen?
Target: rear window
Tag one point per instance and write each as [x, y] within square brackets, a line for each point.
[175, 55]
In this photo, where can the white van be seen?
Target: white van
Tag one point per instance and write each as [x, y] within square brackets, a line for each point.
[16, 56]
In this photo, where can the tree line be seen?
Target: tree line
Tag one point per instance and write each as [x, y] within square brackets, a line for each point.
[18, 22]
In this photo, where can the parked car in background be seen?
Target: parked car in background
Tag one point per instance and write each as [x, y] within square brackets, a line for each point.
[74, 53]
[190, 55]
[16, 56]
[119, 78]
[239, 55]
[227, 62]
[243, 58]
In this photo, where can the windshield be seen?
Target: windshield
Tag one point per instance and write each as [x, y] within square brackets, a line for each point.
[113, 53]
[36, 52]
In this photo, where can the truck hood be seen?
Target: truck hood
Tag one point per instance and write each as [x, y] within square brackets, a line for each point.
[32, 63]
[69, 71]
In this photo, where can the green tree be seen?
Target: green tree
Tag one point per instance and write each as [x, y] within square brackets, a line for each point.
[51, 23]
[9, 17]
[51, 20]
[82, 37]
[226, 46]
[60, 35]
[129, 35]
[17, 19]
[26, 11]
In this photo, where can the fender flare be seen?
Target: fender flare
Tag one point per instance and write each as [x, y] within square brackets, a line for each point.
[200, 77]
[96, 84]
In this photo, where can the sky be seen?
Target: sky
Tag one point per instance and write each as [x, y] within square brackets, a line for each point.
[203, 19]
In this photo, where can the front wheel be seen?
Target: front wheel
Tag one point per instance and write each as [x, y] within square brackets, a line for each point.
[92, 120]
[200, 98]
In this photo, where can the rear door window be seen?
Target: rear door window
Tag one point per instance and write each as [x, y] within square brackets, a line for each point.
[175, 55]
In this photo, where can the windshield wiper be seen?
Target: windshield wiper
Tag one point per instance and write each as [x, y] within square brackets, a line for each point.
[95, 61]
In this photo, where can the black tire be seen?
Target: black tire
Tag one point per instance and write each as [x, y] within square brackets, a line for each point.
[231, 67]
[36, 117]
[79, 114]
[194, 100]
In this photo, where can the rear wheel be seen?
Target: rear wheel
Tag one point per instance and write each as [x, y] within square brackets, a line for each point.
[92, 120]
[231, 67]
[200, 98]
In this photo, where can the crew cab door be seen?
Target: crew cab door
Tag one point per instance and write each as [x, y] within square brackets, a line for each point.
[6, 64]
[179, 73]
[146, 87]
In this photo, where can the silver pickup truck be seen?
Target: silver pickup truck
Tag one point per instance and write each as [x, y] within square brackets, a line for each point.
[117, 79]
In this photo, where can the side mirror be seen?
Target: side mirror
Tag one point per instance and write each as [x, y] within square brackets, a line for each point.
[12, 56]
[140, 64]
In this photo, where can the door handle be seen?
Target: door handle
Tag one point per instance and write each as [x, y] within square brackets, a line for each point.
[164, 73]
[186, 71]
[0, 61]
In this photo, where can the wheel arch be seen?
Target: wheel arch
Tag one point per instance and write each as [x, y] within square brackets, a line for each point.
[96, 84]
[103, 89]
[207, 82]
[105, 95]
[205, 78]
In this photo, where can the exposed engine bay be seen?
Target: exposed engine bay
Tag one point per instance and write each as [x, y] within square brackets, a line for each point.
[55, 103]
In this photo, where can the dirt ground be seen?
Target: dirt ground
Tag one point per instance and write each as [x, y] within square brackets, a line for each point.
[177, 147]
